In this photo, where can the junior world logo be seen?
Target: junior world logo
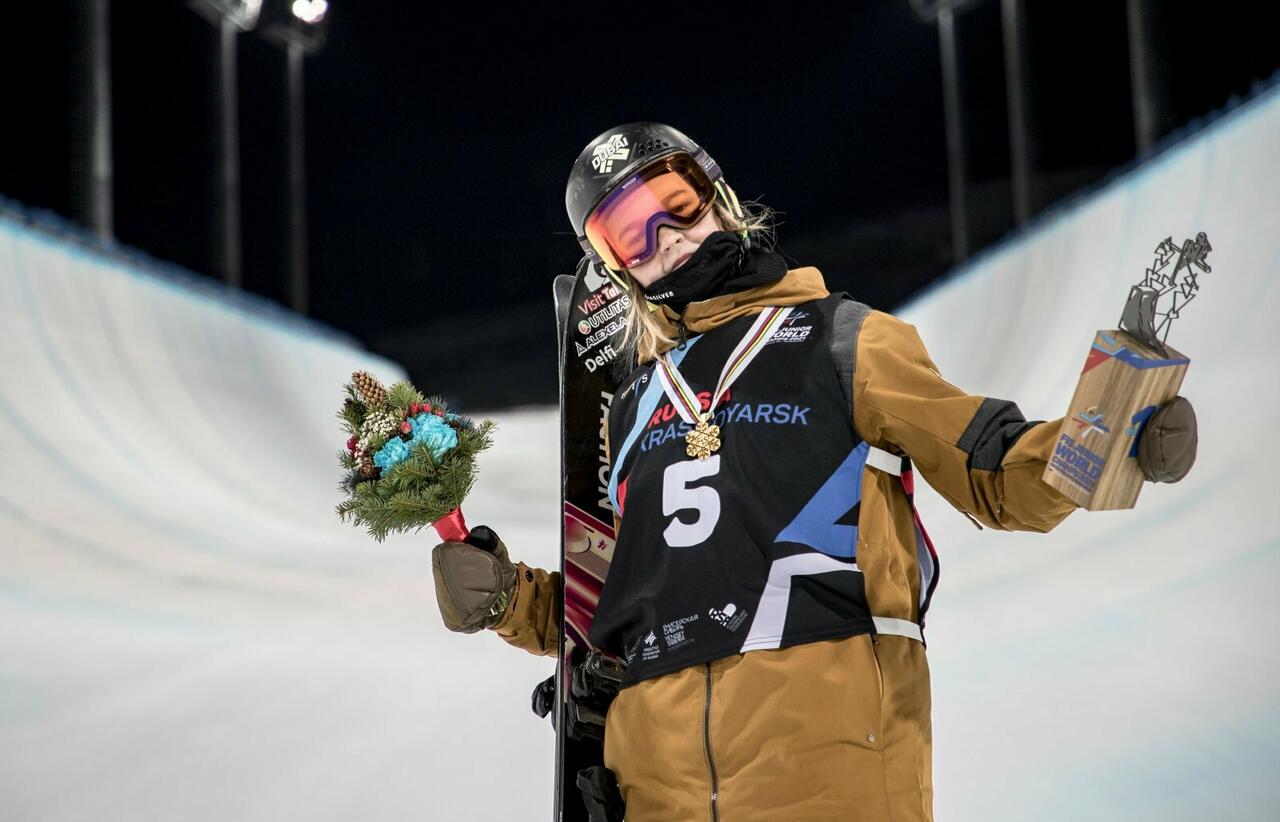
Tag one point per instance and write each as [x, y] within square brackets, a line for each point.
[791, 331]
[1089, 421]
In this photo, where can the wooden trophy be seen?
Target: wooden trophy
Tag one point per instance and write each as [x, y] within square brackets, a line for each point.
[1129, 373]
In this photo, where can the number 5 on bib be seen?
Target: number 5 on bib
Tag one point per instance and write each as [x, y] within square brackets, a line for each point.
[678, 496]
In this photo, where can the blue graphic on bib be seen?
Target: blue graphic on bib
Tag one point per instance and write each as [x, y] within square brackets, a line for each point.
[818, 524]
[648, 403]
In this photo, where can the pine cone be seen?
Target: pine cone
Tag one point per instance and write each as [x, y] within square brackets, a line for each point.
[366, 466]
[369, 387]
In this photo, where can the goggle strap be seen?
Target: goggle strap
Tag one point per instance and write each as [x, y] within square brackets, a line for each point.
[707, 164]
[730, 199]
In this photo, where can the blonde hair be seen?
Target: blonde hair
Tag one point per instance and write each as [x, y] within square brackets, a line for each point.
[644, 336]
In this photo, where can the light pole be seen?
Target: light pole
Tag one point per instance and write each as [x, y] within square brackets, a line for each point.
[92, 167]
[229, 17]
[943, 13]
[955, 134]
[300, 27]
[1013, 25]
[298, 291]
[1146, 74]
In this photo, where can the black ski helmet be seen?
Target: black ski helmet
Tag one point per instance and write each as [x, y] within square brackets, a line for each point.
[619, 152]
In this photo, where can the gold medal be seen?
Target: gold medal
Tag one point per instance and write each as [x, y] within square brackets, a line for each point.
[703, 439]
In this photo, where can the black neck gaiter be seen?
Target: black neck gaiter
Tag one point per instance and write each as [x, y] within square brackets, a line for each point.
[719, 266]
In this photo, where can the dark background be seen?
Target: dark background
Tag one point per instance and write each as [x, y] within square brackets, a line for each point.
[439, 138]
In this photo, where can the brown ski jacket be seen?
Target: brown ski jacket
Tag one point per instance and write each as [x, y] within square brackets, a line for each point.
[834, 729]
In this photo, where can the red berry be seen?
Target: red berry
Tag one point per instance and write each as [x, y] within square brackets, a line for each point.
[439, 412]
[405, 428]
[426, 406]
[351, 444]
[413, 408]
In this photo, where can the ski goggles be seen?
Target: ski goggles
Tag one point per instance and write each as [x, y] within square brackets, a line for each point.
[623, 228]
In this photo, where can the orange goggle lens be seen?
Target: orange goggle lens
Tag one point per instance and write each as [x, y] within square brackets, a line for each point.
[623, 229]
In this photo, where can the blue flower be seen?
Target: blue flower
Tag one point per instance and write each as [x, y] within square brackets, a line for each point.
[395, 451]
[435, 433]
[424, 429]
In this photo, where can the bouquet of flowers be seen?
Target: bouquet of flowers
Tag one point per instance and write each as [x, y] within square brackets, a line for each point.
[409, 462]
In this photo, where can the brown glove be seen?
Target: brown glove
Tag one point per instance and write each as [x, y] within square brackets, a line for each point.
[475, 580]
[1167, 447]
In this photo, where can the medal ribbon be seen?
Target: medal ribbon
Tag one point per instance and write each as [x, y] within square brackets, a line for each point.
[683, 397]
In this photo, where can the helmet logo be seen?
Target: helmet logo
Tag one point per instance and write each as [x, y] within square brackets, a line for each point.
[603, 155]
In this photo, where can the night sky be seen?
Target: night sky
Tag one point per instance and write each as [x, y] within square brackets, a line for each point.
[439, 137]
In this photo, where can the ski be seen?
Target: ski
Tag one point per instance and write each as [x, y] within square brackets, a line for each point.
[590, 319]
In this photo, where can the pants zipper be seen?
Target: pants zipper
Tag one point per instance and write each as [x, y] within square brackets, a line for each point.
[706, 741]
[875, 656]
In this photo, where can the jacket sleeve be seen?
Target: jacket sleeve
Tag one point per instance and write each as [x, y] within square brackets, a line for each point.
[979, 453]
[532, 618]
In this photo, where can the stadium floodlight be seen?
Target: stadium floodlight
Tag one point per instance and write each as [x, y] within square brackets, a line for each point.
[298, 23]
[309, 11]
[243, 14]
